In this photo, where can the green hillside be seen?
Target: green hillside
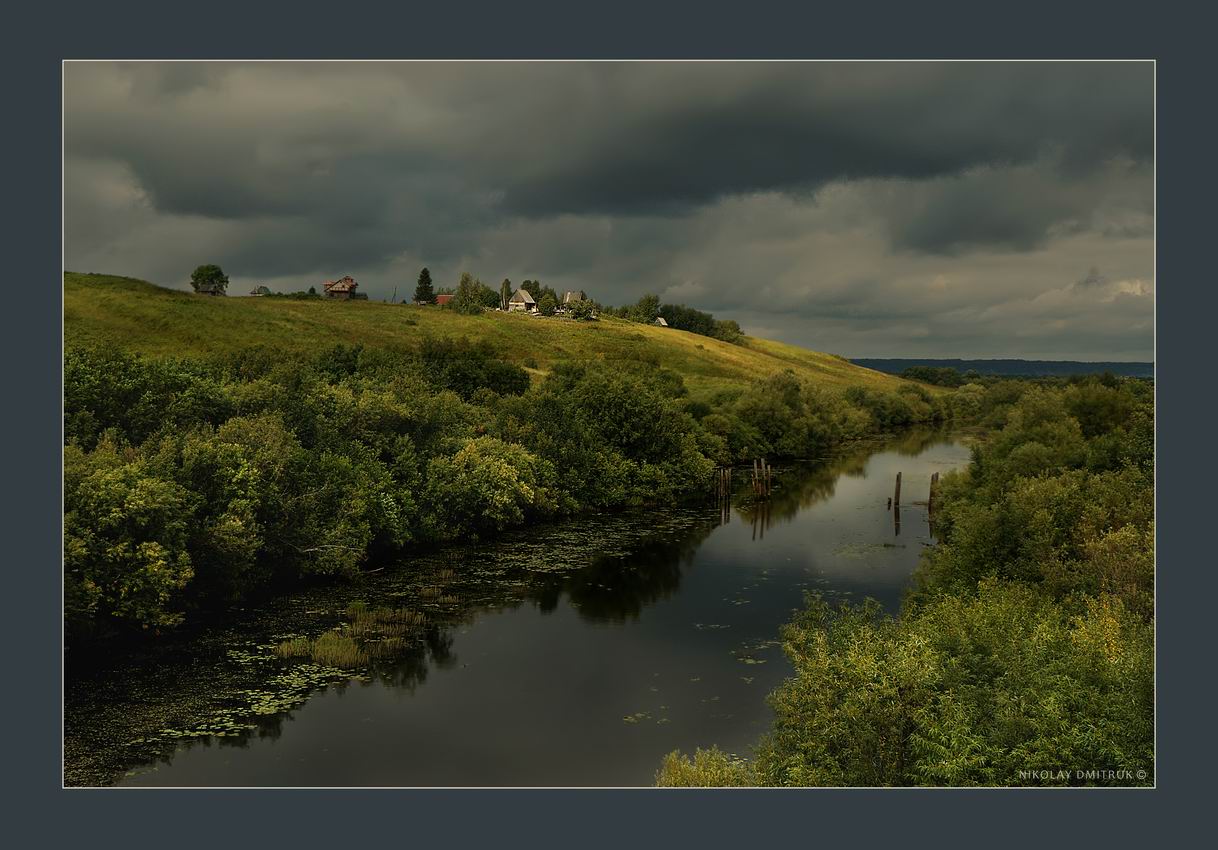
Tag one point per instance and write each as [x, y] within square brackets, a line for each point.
[143, 317]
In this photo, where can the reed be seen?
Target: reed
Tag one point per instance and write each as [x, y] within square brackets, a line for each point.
[294, 647]
[338, 649]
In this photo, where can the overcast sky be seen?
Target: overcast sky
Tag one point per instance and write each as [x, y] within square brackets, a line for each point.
[866, 209]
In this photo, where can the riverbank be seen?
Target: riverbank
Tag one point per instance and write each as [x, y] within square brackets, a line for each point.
[1025, 653]
[531, 612]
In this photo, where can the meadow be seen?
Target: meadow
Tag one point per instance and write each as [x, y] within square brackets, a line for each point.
[104, 310]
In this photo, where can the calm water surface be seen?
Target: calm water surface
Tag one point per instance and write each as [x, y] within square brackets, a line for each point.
[573, 654]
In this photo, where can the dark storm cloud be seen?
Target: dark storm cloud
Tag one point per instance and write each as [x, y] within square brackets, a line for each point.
[704, 132]
[844, 199]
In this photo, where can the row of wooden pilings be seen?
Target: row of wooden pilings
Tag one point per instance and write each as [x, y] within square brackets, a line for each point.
[761, 479]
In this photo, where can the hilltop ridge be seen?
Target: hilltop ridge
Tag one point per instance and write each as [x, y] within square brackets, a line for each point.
[142, 317]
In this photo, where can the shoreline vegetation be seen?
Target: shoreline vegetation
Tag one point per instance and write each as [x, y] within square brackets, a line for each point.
[1024, 650]
[194, 483]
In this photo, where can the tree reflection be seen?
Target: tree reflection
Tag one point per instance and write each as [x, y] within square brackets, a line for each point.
[615, 588]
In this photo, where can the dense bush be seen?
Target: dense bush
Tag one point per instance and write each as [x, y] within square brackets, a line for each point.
[194, 484]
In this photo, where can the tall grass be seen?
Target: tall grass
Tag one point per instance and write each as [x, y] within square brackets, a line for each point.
[371, 633]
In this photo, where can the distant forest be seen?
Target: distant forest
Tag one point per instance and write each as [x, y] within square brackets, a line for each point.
[1020, 368]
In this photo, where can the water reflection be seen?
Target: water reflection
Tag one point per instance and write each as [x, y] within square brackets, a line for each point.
[615, 588]
[567, 654]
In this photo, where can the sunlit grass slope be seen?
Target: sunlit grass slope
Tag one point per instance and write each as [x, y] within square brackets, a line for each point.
[142, 317]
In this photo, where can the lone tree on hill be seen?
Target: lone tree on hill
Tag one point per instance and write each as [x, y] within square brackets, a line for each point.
[423, 292]
[505, 293]
[209, 279]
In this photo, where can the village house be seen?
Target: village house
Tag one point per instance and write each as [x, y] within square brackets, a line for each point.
[344, 289]
[260, 291]
[661, 322]
[522, 302]
[569, 299]
[210, 288]
[441, 300]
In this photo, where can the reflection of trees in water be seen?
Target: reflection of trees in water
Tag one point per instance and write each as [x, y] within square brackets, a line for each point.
[607, 588]
[804, 485]
[917, 440]
[408, 669]
[618, 587]
[800, 487]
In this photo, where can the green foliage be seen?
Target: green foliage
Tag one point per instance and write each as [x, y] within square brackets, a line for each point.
[125, 543]
[469, 298]
[943, 376]
[423, 292]
[209, 278]
[711, 768]
[584, 311]
[110, 389]
[245, 469]
[979, 689]
[547, 305]
[645, 310]
[486, 486]
[1024, 654]
[696, 321]
[465, 367]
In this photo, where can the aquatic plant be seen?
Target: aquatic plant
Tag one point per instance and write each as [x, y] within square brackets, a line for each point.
[294, 647]
[338, 649]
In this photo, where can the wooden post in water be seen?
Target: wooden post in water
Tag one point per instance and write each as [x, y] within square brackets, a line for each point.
[930, 499]
[896, 496]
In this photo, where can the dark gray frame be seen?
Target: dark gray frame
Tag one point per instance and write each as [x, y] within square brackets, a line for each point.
[41, 37]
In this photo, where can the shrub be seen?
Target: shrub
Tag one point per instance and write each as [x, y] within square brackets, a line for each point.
[488, 485]
[125, 544]
[711, 768]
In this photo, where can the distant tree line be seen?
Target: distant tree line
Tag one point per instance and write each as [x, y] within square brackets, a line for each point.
[648, 308]
[1012, 367]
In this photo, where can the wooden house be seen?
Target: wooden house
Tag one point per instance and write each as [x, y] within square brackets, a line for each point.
[522, 302]
[441, 300]
[661, 322]
[343, 289]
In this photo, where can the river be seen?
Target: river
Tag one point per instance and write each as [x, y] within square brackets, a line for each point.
[571, 654]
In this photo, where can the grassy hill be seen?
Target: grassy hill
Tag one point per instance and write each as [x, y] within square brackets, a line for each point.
[143, 317]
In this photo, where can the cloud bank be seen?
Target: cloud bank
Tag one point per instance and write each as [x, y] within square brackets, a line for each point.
[870, 209]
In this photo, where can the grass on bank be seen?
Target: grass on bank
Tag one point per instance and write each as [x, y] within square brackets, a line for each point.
[139, 316]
